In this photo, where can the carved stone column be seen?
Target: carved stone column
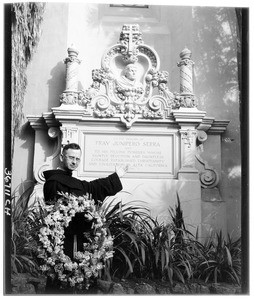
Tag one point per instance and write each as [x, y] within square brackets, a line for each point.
[72, 63]
[70, 95]
[186, 97]
[186, 71]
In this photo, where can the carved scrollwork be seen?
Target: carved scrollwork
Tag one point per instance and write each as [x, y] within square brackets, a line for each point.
[53, 133]
[201, 136]
[209, 178]
[155, 103]
[38, 172]
[102, 102]
[103, 108]
[150, 114]
[155, 109]
[117, 91]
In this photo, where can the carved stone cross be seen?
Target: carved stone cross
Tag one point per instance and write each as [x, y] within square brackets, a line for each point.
[131, 37]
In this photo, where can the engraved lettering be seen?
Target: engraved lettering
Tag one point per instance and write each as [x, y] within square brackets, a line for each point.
[143, 153]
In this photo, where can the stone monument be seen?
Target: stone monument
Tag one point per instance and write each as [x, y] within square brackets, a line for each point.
[129, 115]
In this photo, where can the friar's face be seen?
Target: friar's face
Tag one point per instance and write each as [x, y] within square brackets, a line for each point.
[131, 72]
[70, 159]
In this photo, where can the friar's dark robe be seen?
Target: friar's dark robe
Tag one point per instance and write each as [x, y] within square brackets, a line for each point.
[62, 181]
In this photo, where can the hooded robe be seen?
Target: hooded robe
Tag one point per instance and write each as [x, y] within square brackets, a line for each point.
[99, 189]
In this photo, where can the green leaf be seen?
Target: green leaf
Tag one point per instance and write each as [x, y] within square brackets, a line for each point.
[126, 259]
[229, 258]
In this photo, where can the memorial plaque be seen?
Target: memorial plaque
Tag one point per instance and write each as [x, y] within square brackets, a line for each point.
[144, 153]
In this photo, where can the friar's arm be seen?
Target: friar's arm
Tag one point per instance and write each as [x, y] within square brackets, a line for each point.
[109, 186]
[104, 187]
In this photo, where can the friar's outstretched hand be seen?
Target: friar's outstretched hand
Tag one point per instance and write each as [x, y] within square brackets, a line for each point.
[121, 170]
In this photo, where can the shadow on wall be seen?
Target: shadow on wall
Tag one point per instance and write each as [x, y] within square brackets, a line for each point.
[158, 196]
[26, 135]
[56, 85]
[216, 64]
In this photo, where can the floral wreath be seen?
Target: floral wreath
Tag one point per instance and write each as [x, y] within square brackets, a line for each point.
[86, 264]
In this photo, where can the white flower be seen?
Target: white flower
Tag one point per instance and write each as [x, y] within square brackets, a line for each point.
[72, 281]
[68, 266]
[99, 266]
[44, 268]
[51, 237]
[109, 254]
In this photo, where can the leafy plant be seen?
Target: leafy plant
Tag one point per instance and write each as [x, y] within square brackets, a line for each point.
[144, 247]
[221, 260]
[25, 227]
[169, 249]
[125, 223]
[148, 249]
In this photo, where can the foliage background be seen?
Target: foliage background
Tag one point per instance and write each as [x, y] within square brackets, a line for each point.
[26, 30]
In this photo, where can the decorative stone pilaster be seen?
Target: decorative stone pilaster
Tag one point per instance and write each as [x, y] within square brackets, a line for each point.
[42, 133]
[188, 120]
[70, 95]
[69, 134]
[188, 150]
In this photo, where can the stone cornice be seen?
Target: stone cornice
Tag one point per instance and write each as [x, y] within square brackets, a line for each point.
[37, 122]
[212, 126]
[43, 121]
[219, 126]
[180, 117]
[188, 115]
[50, 119]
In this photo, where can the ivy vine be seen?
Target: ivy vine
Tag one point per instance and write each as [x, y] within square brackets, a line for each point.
[26, 31]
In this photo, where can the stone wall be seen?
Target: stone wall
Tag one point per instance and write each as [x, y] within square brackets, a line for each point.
[92, 28]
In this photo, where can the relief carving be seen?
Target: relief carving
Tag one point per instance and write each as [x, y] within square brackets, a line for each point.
[70, 95]
[129, 84]
[53, 133]
[188, 137]
[186, 97]
[69, 134]
[209, 177]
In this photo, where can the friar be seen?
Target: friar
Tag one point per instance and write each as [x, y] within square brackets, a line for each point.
[61, 180]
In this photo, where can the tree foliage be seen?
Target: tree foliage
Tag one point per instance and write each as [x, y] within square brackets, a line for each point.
[26, 30]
